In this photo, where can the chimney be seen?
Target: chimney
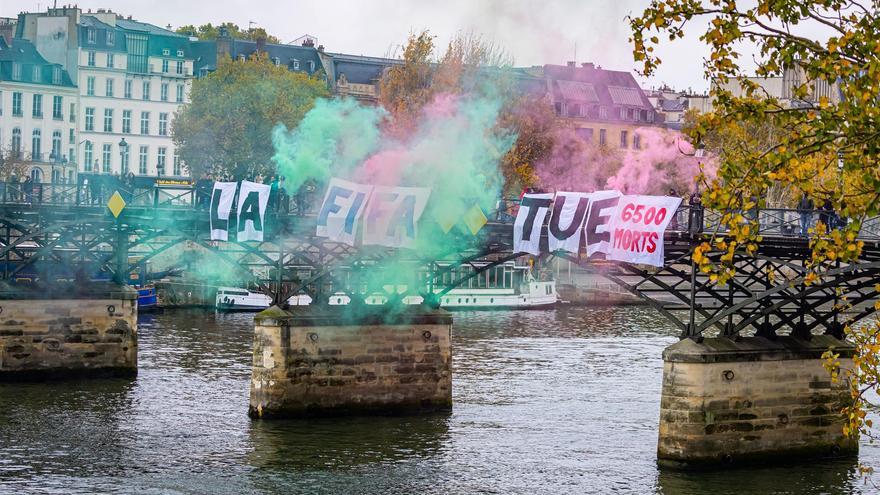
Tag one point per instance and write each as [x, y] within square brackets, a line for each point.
[224, 43]
[588, 65]
[308, 42]
[571, 63]
[261, 43]
[320, 48]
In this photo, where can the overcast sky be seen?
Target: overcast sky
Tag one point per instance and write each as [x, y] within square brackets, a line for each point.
[533, 32]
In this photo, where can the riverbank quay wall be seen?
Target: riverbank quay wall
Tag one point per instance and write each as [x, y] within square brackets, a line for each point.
[65, 331]
[752, 400]
[370, 360]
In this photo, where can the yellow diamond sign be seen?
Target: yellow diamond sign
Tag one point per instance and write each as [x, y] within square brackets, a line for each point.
[116, 204]
[475, 219]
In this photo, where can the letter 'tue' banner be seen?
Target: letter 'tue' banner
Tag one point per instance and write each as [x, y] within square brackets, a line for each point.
[637, 228]
[343, 205]
[221, 206]
[530, 218]
[252, 201]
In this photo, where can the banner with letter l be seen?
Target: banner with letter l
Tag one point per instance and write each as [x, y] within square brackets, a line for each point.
[221, 205]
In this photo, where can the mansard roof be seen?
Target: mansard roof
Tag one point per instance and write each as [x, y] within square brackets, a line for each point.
[24, 53]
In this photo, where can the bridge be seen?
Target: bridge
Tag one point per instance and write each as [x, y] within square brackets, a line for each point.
[745, 382]
[61, 231]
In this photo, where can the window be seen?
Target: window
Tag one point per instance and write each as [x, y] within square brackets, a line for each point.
[146, 92]
[1, 107]
[87, 159]
[56, 75]
[241, 57]
[622, 114]
[71, 138]
[90, 118]
[574, 110]
[106, 153]
[90, 86]
[91, 61]
[180, 93]
[36, 144]
[56, 145]
[602, 136]
[166, 52]
[164, 66]
[311, 66]
[92, 36]
[111, 38]
[180, 67]
[108, 120]
[57, 108]
[624, 140]
[16, 142]
[38, 106]
[603, 113]
[109, 90]
[72, 116]
[36, 75]
[142, 161]
[295, 64]
[145, 122]
[72, 160]
[16, 71]
[637, 141]
[585, 134]
[176, 165]
[276, 61]
[163, 92]
[16, 104]
[123, 154]
[163, 124]
[127, 88]
[126, 121]
[160, 162]
[179, 53]
[110, 60]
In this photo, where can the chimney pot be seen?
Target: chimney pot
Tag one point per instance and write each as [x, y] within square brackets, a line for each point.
[588, 65]
[571, 63]
[261, 44]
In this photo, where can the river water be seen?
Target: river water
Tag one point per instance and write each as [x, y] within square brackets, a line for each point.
[562, 401]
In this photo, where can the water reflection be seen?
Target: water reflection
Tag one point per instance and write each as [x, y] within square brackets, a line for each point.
[563, 401]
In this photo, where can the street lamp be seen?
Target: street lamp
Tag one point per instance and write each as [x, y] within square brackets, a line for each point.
[123, 152]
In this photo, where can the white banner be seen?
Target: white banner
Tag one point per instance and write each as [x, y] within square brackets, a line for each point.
[567, 221]
[530, 218]
[603, 204]
[393, 214]
[637, 228]
[221, 205]
[252, 201]
[343, 206]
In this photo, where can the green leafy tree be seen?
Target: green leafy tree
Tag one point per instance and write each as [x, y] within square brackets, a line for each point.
[211, 32]
[814, 126]
[227, 125]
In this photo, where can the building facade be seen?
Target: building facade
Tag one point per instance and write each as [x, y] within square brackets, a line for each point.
[131, 77]
[37, 114]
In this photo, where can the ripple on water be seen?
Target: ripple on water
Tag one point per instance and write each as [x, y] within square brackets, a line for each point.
[562, 401]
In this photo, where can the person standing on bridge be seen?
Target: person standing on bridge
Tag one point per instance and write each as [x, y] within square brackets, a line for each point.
[28, 188]
[805, 209]
[695, 217]
[13, 187]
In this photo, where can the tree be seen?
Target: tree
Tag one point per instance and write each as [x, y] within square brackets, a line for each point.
[227, 125]
[211, 32]
[814, 126]
[469, 65]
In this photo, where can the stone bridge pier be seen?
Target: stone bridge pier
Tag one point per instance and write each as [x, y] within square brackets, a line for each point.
[67, 332]
[751, 400]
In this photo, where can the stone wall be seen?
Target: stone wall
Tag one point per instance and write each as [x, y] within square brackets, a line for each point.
[316, 362]
[752, 400]
[68, 334]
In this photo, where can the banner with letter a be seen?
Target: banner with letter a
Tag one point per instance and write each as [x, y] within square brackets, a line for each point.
[637, 228]
[392, 215]
[530, 218]
[252, 201]
[221, 206]
[567, 221]
[343, 206]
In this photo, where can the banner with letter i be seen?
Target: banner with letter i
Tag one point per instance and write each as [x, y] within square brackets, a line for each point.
[343, 205]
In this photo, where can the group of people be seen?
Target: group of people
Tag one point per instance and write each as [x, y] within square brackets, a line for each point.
[827, 215]
[20, 190]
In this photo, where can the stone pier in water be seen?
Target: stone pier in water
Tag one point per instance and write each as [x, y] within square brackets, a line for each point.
[65, 332]
[326, 361]
[752, 400]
